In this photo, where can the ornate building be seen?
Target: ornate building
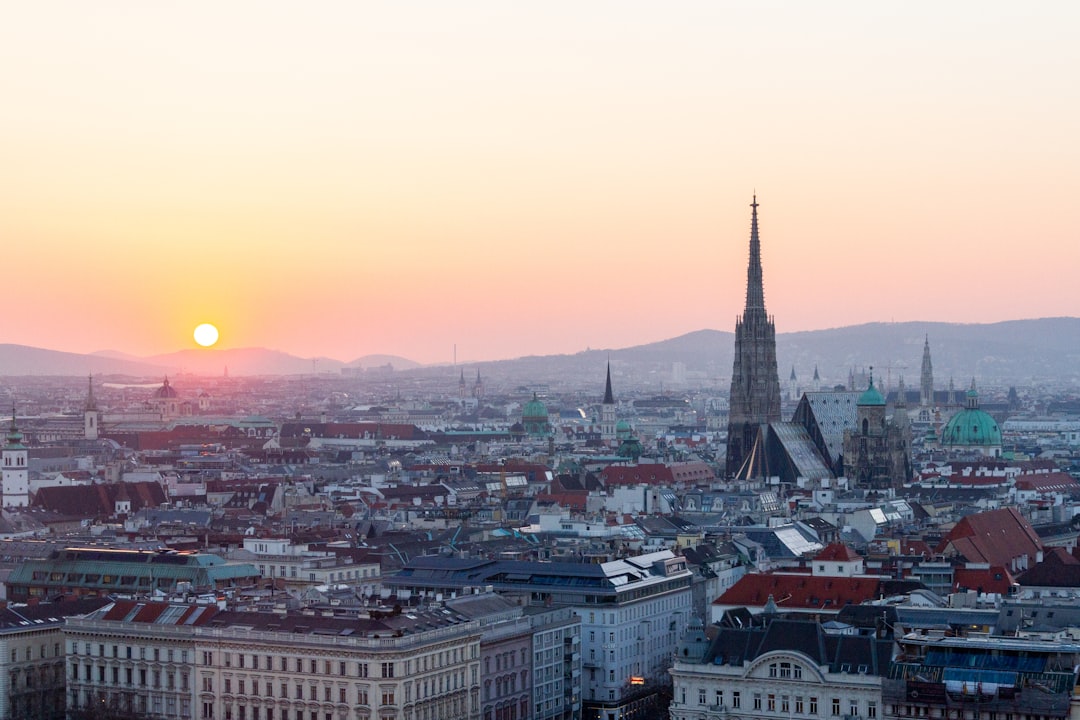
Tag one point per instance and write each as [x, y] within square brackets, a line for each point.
[755, 382]
[877, 450]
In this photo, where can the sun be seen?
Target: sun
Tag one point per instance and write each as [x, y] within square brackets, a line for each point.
[206, 334]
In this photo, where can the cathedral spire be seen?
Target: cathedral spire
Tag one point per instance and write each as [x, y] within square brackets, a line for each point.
[755, 291]
[755, 382]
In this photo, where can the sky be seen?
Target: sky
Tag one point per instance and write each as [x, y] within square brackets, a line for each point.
[526, 178]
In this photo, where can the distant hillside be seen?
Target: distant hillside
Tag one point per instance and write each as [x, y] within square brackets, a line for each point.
[25, 360]
[374, 361]
[244, 361]
[1015, 352]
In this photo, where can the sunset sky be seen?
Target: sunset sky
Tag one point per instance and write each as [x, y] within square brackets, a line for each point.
[523, 178]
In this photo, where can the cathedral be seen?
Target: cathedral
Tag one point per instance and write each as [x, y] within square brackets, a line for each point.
[831, 434]
[755, 382]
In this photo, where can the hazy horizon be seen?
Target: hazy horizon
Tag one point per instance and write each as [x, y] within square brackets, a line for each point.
[219, 349]
[528, 179]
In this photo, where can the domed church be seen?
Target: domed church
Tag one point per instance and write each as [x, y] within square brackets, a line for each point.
[972, 429]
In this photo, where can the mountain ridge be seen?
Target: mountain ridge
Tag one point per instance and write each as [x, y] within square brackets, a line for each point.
[1010, 349]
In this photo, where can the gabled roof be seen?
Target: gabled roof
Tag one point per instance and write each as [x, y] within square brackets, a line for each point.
[995, 536]
[838, 552]
[98, 500]
[1059, 568]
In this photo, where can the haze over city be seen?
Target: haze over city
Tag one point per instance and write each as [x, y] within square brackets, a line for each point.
[526, 178]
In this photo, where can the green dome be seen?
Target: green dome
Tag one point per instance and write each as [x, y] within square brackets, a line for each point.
[534, 409]
[871, 396]
[534, 417]
[971, 427]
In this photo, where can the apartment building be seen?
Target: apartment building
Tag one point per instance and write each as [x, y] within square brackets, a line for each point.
[190, 661]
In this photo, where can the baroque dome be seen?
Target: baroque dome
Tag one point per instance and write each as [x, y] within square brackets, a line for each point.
[971, 427]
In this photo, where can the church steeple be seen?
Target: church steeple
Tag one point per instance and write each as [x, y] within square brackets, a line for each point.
[755, 382]
[609, 397]
[607, 411]
[91, 417]
[926, 384]
[91, 404]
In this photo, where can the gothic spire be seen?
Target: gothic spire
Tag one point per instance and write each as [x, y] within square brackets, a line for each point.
[609, 397]
[755, 291]
[91, 404]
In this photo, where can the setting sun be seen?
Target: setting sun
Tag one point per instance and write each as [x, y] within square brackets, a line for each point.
[206, 334]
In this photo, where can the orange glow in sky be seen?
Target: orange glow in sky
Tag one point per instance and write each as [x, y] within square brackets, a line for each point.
[524, 178]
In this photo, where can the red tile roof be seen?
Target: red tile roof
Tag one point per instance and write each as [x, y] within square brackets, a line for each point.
[1048, 482]
[802, 592]
[636, 475]
[995, 579]
[838, 552]
[996, 537]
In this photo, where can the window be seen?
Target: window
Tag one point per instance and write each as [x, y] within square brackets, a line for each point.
[772, 702]
[387, 697]
[719, 697]
[736, 699]
[813, 706]
[836, 706]
[342, 695]
[871, 709]
[798, 705]
[853, 708]
[757, 701]
[701, 696]
[361, 695]
[361, 670]
[785, 706]
[388, 670]
[207, 684]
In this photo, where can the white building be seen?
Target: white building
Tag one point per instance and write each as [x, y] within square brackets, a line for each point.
[779, 670]
[15, 482]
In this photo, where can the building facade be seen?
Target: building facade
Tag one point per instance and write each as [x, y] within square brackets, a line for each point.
[188, 661]
[32, 659]
[632, 611]
[783, 669]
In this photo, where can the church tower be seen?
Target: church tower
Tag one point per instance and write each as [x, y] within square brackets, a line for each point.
[607, 411]
[91, 416]
[755, 382]
[926, 387]
[478, 387]
[15, 481]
